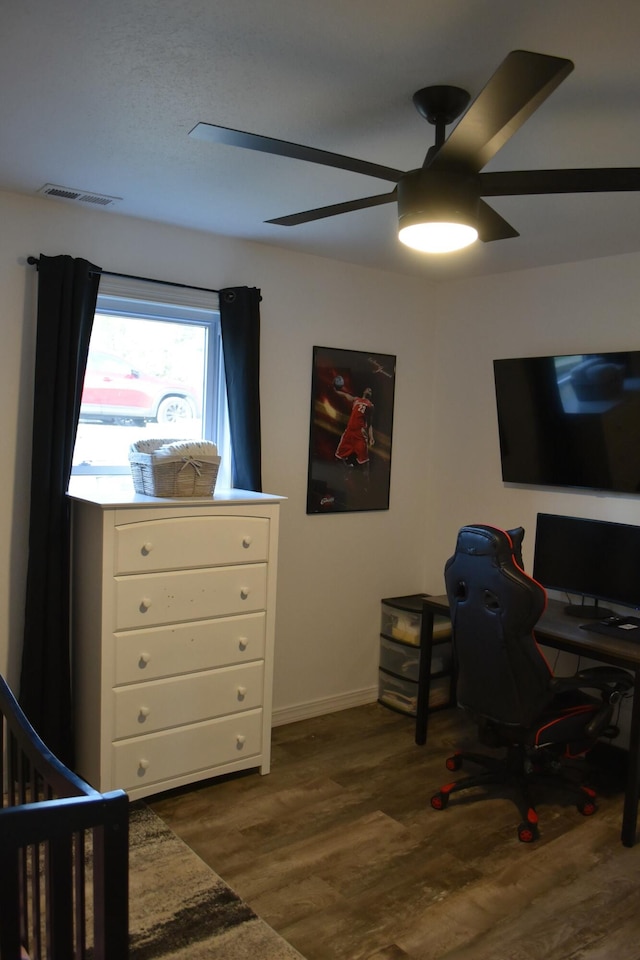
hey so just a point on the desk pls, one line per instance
(555, 629)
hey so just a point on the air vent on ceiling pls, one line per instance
(78, 196)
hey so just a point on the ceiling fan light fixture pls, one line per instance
(438, 236)
(437, 212)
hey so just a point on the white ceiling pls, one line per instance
(101, 96)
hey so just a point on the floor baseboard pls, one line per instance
(317, 708)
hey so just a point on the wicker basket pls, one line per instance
(181, 474)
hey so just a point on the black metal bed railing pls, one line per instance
(64, 873)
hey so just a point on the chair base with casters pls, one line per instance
(523, 771)
(504, 683)
(527, 762)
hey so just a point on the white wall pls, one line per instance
(333, 570)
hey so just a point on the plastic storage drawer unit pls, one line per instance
(400, 632)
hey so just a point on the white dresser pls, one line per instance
(173, 634)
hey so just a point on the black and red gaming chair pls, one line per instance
(505, 683)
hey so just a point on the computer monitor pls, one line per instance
(594, 559)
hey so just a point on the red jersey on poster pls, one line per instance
(354, 440)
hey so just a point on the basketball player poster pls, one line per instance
(352, 393)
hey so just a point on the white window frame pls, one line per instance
(148, 299)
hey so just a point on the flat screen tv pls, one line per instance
(590, 558)
(570, 421)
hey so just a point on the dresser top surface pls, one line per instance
(117, 491)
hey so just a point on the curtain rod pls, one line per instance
(34, 261)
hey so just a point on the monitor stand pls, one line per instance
(588, 613)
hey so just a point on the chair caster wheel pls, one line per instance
(528, 832)
(439, 800)
(454, 762)
(587, 807)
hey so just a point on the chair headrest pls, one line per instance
(482, 540)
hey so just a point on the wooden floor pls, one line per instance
(340, 851)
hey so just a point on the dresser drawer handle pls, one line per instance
(144, 660)
(146, 548)
(143, 713)
(143, 766)
(145, 603)
(246, 542)
(242, 692)
(240, 741)
(243, 643)
(244, 592)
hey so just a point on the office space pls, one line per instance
(444, 335)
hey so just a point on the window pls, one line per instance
(155, 369)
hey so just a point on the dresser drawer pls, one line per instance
(181, 542)
(140, 762)
(154, 598)
(187, 647)
(147, 707)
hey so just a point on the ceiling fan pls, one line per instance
(449, 187)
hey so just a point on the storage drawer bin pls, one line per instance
(441, 658)
(399, 658)
(403, 623)
(402, 695)
(404, 659)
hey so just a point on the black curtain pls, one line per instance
(240, 323)
(67, 294)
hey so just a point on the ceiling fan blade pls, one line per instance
(526, 182)
(282, 148)
(335, 208)
(491, 226)
(519, 86)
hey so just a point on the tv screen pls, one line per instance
(570, 421)
(591, 558)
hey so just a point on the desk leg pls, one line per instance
(424, 675)
(632, 793)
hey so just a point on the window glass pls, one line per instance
(154, 371)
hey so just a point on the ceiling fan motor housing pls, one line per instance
(426, 195)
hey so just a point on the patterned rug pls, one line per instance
(179, 908)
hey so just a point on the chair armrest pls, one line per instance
(612, 682)
(606, 679)
(621, 679)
